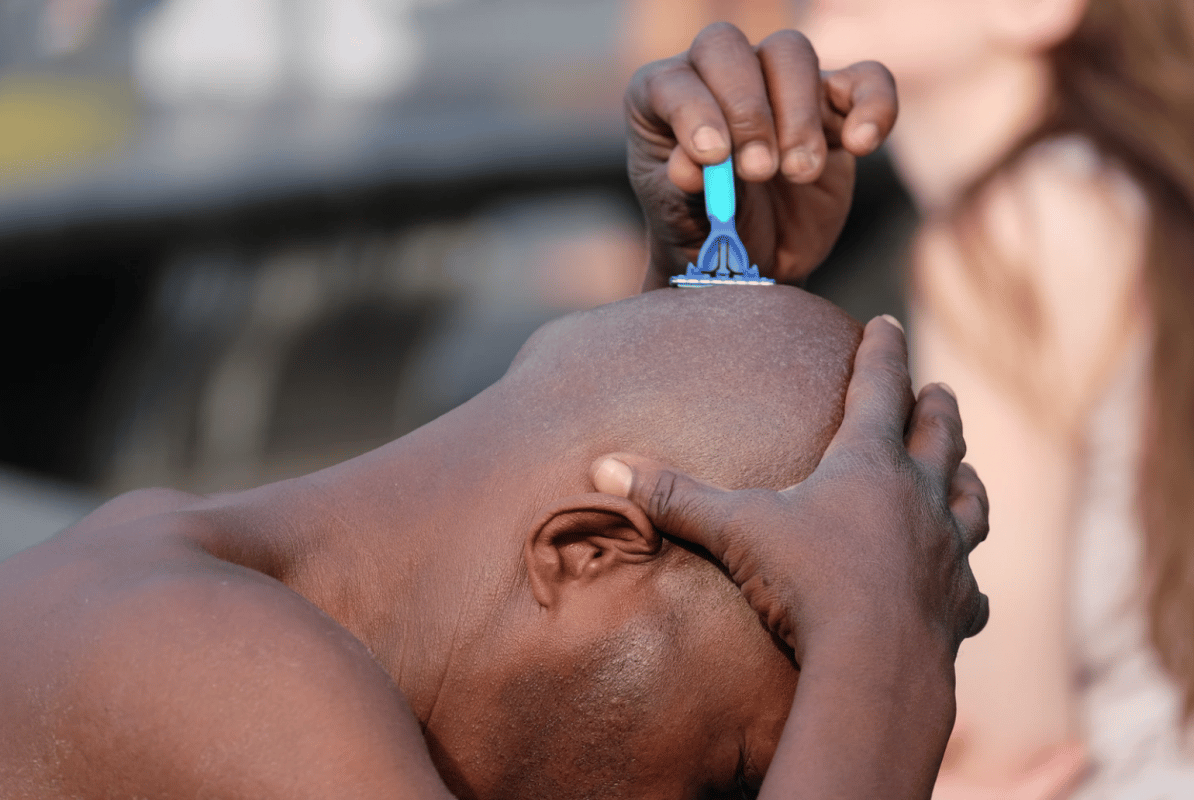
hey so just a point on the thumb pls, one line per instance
(879, 396)
(676, 503)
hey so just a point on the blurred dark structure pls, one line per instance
(232, 294)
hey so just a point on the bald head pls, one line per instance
(740, 386)
(638, 670)
(622, 664)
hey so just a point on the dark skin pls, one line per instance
(793, 130)
(361, 632)
(470, 612)
(881, 646)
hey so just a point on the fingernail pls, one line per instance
(867, 135)
(892, 320)
(756, 159)
(948, 389)
(707, 138)
(800, 161)
(613, 477)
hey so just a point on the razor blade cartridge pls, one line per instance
(722, 260)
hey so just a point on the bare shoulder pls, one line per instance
(135, 505)
(140, 664)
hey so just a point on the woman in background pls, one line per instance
(1049, 145)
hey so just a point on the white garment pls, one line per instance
(1130, 707)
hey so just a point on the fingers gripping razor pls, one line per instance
(722, 260)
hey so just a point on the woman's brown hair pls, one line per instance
(1124, 80)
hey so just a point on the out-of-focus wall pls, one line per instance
(243, 239)
(657, 29)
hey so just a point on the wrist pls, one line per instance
(907, 667)
(871, 718)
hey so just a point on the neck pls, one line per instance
(385, 545)
(953, 129)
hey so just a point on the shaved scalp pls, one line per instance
(743, 387)
(740, 386)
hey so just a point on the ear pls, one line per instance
(583, 538)
(1034, 26)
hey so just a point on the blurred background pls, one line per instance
(244, 239)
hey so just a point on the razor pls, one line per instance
(722, 260)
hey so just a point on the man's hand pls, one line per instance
(875, 541)
(862, 568)
(794, 132)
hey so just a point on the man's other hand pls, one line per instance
(875, 543)
(794, 132)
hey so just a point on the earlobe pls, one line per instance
(582, 538)
(1035, 25)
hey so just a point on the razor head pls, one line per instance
(722, 261)
(685, 282)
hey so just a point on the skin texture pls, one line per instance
(460, 611)
(482, 610)
(793, 130)
(876, 651)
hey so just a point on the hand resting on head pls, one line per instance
(861, 568)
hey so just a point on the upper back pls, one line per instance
(136, 664)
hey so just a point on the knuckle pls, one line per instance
(657, 78)
(947, 396)
(981, 615)
(981, 527)
(719, 34)
(981, 531)
(660, 503)
(876, 70)
(944, 424)
(943, 545)
(967, 483)
(642, 78)
(934, 421)
(966, 472)
(748, 113)
(789, 39)
(983, 502)
(717, 41)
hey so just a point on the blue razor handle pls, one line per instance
(723, 258)
(719, 191)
